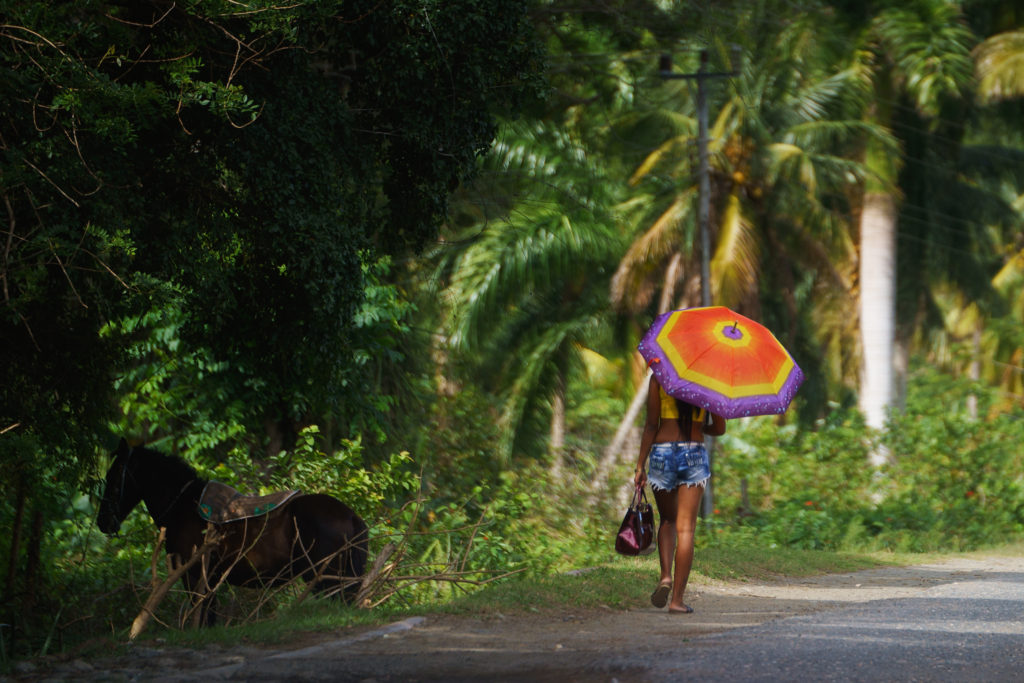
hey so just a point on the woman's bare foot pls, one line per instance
(685, 609)
(659, 598)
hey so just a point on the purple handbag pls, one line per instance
(637, 529)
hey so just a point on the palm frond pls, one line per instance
(538, 249)
(1000, 66)
(632, 285)
(931, 45)
(667, 153)
(734, 267)
(545, 345)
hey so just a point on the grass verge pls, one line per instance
(618, 583)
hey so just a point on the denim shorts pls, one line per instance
(672, 464)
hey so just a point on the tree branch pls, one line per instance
(160, 591)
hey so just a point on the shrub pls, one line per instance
(954, 482)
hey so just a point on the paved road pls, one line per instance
(971, 629)
(956, 620)
(959, 620)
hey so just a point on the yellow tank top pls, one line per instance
(670, 409)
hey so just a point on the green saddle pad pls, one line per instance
(220, 503)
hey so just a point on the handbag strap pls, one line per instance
(639, 497)
(643, 495)
(639, 501)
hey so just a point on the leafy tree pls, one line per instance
(1000, 65)
(246, 156)
(956, 219)
(980, 305)
(528, 257)
(236, 164)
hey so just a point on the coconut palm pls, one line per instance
(972, 262)
(919, 58)
(782, 147)
(958, 225)
(999, 61)
(541, 237)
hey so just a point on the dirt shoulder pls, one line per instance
(549, 644)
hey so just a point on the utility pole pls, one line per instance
(703, 192)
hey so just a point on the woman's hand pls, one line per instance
(639, 477)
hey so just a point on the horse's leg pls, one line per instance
(189, 544)
(314, 556)
(202, 598)
(338, 574)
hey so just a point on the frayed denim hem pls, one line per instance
(672, 464)
(702, 483)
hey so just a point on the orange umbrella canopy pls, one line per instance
(717, 359)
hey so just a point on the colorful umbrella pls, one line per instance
(717, 359)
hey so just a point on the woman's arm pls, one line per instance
(717, 426)
(651, 423)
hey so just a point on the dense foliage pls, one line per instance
(211, 182)
(956, 481)
(240, 163)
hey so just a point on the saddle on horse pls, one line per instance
(219, 503)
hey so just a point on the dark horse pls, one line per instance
(310, 536)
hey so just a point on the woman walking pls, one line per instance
(673, 443)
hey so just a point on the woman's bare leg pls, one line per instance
(688, 503)
(667, 509)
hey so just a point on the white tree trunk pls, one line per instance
(557, 441)
(877, 309)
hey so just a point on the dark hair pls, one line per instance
(686, 422)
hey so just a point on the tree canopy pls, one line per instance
(241, 162)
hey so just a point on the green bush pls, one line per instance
(954, 479)
(792, 487)
(953, 482)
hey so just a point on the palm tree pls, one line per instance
(999, 349)
(527, 290)
(782, 148)
(987, 319)
(984, 347)
(919, 56)
(553, 235)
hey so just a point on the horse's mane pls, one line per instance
(173, 467)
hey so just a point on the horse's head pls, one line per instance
(120, 493)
